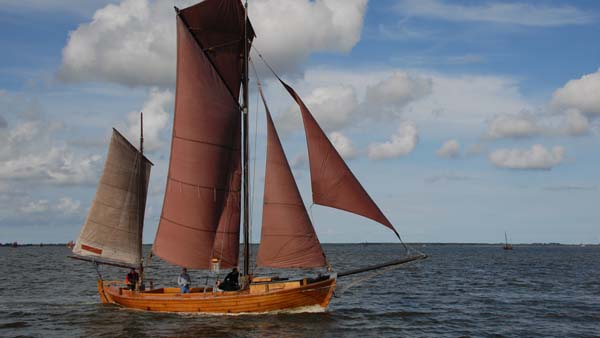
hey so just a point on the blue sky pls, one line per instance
(463, 119)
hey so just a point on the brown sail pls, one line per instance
(205, 152)
(112, 229)
(288, 239)
(333, 184)
(218, 26)
(226, 246)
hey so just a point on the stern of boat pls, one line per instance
(332, 285)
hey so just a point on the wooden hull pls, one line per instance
(259, 298)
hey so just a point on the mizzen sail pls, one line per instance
(333, 184)
(201, 208)
(288, 239)
(112, 229)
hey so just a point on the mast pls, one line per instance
(246, 175)
(141, 204)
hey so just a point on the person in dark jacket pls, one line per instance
(132, 279)
(231, 281)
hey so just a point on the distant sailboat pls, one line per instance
(208, 183)
(507, 246)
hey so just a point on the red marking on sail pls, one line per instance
(91, 249)
(333, 184)
(201, 186)
(288, 239)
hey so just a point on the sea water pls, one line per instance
(460, 291)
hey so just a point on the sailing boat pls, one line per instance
(507, 246)
(208, 184)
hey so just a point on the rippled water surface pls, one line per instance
(474, 291)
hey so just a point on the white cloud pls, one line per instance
(402, 142)
(537, 157)
(55, 166)
(582, 94)
(576, 123)
(35, 207)
(68, 206)
(29, 153)
(450, 149)
(288, 31)
(459, 102)
(24, 132)
(566, 123)
(467, 100)
(343, 145)
(133, 43)
(504, 13)
(156, 118)
(513, 125)
(333, 107)
(399, 89)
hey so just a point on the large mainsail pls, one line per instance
(112, 229)
(288, 239)
(201, 208)
(333, 184)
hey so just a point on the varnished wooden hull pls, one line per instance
(259, 298)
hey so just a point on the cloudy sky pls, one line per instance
(463, 119)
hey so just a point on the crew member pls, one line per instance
(132, 279)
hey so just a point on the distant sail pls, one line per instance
(333, 184)
(288, 239)
(112, 229)
(200, 216)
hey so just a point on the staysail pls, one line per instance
(112, 229)
(201, 208)
(333, 184)
(288, 239)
